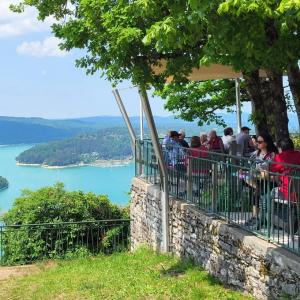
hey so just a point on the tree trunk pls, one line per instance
(268, 104)
(294, 81)
(253, 85)
(277, 106)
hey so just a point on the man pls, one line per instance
(215, 143)
(244, 142)
(172, 149)
(228, 138)
(182, 140)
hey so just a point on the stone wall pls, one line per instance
(235, 256)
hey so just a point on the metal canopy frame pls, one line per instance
(145, 106)
(162, 167)
(126, 118)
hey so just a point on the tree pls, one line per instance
(123, 39)
(250, 35)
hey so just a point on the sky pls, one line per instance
(37, 79)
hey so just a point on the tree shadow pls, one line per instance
(185, 265)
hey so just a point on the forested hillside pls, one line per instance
(13, 132)
(87, 148)
(19, 130)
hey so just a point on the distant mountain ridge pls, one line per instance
(18, 130)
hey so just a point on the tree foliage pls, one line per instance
(48, 238)
(55, 204)
(201, 100)
(123, 39)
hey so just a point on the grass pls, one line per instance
(139, 275)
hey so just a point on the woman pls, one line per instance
(264, 154)
(197, 148)
(203, 139)
(199, 166)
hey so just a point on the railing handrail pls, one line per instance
(229, 156)
(64, 223)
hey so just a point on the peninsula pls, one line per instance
(105, 147)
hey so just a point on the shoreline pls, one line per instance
(97, 163)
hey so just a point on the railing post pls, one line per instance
(1, 245)
(141, 158)
(214, 178)
(189, 180)
(269, 205)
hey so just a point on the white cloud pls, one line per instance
(14, 24)
(47, 47)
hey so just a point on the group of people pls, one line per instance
(261, 149)
(266, 156)
(242, 144)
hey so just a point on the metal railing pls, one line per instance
(231, 187)
(21, 244)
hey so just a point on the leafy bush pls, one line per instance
(49, 207)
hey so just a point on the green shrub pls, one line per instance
(50, 206)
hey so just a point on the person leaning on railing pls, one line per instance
(258, 186)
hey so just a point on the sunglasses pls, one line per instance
(260, 142)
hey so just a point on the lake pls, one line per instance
(112, 181)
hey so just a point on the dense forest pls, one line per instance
(86, 148)
(3, 183)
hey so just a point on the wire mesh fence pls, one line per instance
(258, 199)
(21, 244)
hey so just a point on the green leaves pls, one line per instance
(200, 100)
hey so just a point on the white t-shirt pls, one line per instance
(227, 140)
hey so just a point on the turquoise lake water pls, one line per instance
(112, 181)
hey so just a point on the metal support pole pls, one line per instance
(126, 118)
(163, 169)
(238, 104)
(141, 121)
